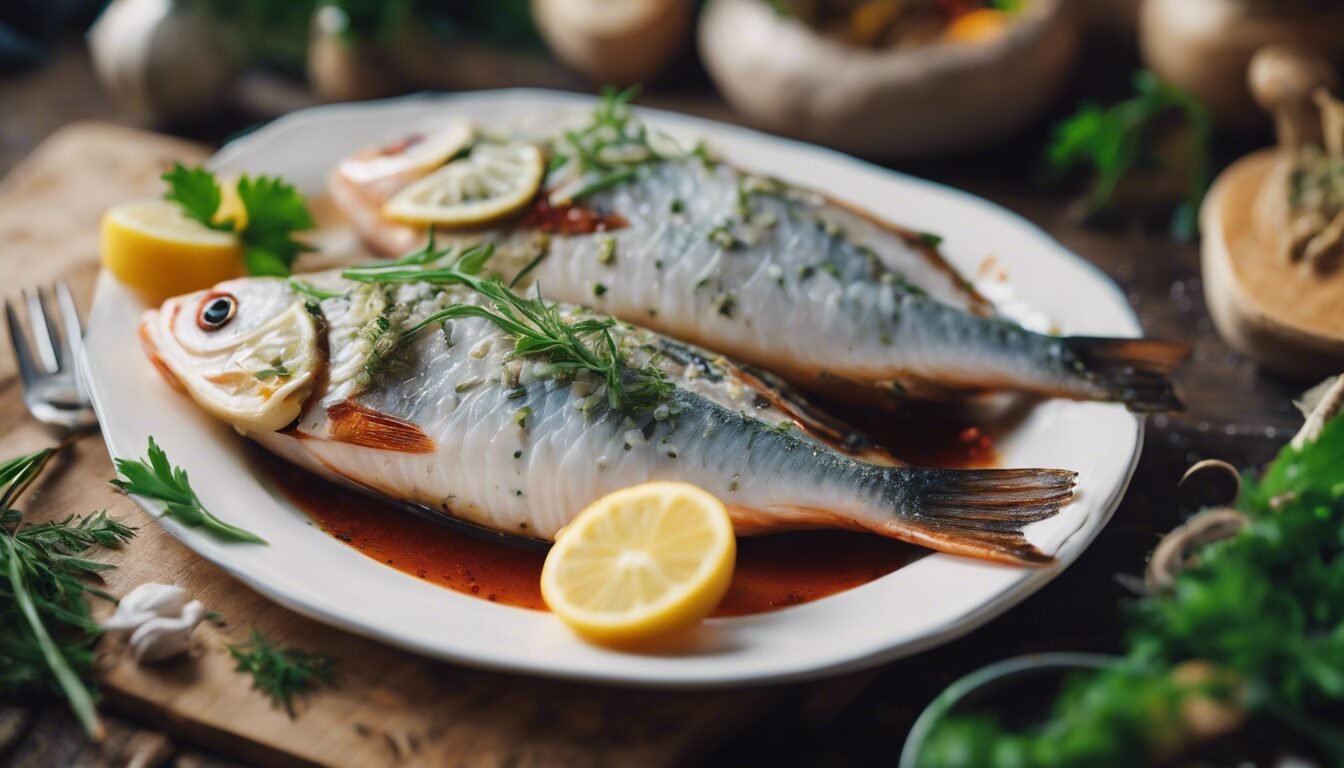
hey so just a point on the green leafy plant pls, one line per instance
(1265, 609)
(1116, 142)
(46, 629)
(274, 212)
(155, 478)
(283, 673)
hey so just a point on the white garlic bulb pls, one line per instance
(160, 60)
(159, 618)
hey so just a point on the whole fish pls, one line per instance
(769, 273)
(421, 392)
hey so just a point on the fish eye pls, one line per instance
(217, 309)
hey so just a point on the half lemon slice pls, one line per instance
(412, 156)
(641, 563)
(152, 247)
(493, 181)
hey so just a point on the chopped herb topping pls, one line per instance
(606, 250)
(930, 239)
(276, 371)
(599, 289)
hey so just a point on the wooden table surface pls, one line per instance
(1234, 413)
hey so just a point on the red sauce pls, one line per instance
(772, 571)
(569, 219)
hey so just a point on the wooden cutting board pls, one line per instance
(391, 708)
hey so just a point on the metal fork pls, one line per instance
(51, 387)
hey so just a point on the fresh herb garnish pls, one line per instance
(274, 209)
(1263, 611)
(1116, 141)
(155, 478)
(283, 673)
(276, 371)
(930, 239)
(46, 629)
(607, 152)
(537, 326)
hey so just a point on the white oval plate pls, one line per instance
(929, 602)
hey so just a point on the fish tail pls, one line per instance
(981, 512)
(1136, 372)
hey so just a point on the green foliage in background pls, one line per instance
(1266, 608)
(1133, 136)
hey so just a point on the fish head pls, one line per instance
(246, 350)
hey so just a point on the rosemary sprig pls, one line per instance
(283, 673)
(155, 478)
(46, 630)
(537, 327)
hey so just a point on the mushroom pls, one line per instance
(614, 41)
(787, 77)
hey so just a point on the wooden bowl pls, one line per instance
(1278, 314)
(948, 96)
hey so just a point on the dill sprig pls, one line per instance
(46, 629)
(283, 673)
(155, 478)
(537, 326)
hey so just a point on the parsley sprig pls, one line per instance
(155, 478)
(275, 211)
(46, 629)
(537, 326)
(283, 673)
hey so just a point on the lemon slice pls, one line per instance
(152, 247)
(641, 563)
(494, 181)
(414, 155)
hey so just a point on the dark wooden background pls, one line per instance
(1234, 413)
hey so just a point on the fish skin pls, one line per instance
(792, 282)
(463, 427)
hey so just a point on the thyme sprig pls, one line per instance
(282, 673)
(46, 630)
(537, 326)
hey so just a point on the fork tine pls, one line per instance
(44, 332)
(70, 323)
(27, 371)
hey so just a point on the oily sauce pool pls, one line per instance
(772, 571)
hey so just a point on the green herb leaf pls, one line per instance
(155, 478)
(275, 211)
(197, 192)
(283, 673)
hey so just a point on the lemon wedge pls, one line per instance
(152, 247)
(493, 181)
(410, 157)
(641, 563)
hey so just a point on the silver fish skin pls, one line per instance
(450, 418)
(792, 282)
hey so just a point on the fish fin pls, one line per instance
(353, 423)
(981, 512)
(1136, 372)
